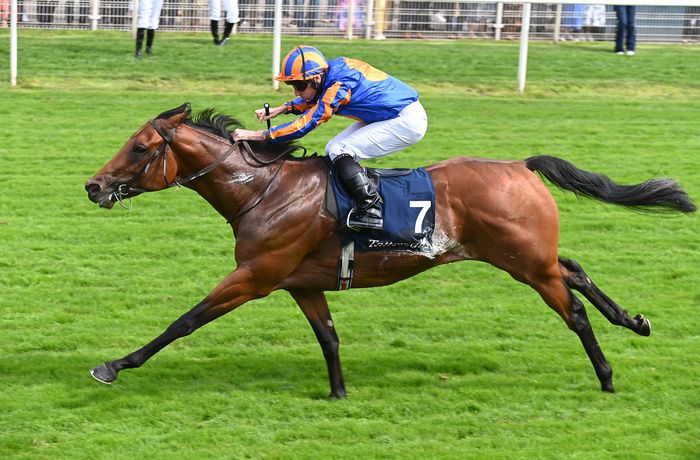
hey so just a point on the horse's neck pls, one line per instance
(231, 185)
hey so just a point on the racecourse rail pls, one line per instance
(667, 21)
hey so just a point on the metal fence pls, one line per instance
(379, 19)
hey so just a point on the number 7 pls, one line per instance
(425, 205)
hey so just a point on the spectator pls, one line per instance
(331, 11)
(4, 16)
(29, 11)
(343, 19)
(232, 18)
(485, 14)
(512, 14)
(305, 16)
(594, 23)
(691, 31)
(379, 19)
(147, 23)
(572, 22)
(626, 36)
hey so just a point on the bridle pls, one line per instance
(124, 189)
(168, 138)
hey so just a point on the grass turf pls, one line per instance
(458, 362)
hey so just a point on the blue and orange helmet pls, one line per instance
(302, 63)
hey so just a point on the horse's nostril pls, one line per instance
(93, 188)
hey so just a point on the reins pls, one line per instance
(167, 139)
(283, 156)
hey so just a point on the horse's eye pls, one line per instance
(140, 149)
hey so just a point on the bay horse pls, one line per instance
(499, 212)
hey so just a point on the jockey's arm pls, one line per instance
(248, 135)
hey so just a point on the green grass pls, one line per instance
(458, 362)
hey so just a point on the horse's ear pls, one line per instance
(177, 114)
(181, 113)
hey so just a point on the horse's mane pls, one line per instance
(220, 124)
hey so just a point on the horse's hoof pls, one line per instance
(337, 395)
(645, 327)
(103, 374)
(608, 387)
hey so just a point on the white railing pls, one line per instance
(388, 19)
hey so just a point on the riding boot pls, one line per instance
(228, 27)
(150, 34)
(215, 31)
(139, 41)
(367, 212)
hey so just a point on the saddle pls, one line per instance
(409, 210)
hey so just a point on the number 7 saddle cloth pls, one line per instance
(408, 210)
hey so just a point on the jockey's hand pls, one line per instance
(247, 135)
(274, 111)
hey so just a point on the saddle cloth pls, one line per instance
(409, 210)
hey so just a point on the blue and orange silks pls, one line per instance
(351, 88)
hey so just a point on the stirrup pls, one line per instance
(369, 222)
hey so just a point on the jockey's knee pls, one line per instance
(335, 149)
(413, 136)
(417, 131)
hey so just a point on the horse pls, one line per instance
(499, 212)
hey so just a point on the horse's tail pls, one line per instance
(655, 195)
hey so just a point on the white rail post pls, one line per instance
(369, 19)
(135, 19)
(557, 22)
(94, 13)
(276, 43)
(524, 37)
(351, 19)
(498, 25)
(13, 43)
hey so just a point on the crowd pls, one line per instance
(389, 18)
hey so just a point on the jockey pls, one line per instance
(388, 113)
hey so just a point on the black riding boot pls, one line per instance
(150, 34)
(139, 41)
(228, 27)
(367, 212)
(215, 31)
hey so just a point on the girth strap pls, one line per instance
(346, 266)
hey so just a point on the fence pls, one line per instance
(388, 19)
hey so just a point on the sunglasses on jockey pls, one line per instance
(299, 85)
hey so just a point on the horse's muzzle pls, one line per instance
(96, 194)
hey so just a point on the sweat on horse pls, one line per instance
(498, 212)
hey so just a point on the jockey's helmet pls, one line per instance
(302, 63)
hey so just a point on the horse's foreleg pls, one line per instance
(560, 298)
(577, 279)
(315, 307)
(235, 290)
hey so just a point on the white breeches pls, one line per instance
(362, 141)
(231, 7)
(149, 14)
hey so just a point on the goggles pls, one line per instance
(298, 85)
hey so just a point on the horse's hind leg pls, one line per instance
(559, 297)
(576, 278)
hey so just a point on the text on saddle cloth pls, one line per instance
(409, 210)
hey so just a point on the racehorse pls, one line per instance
(498, 212)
